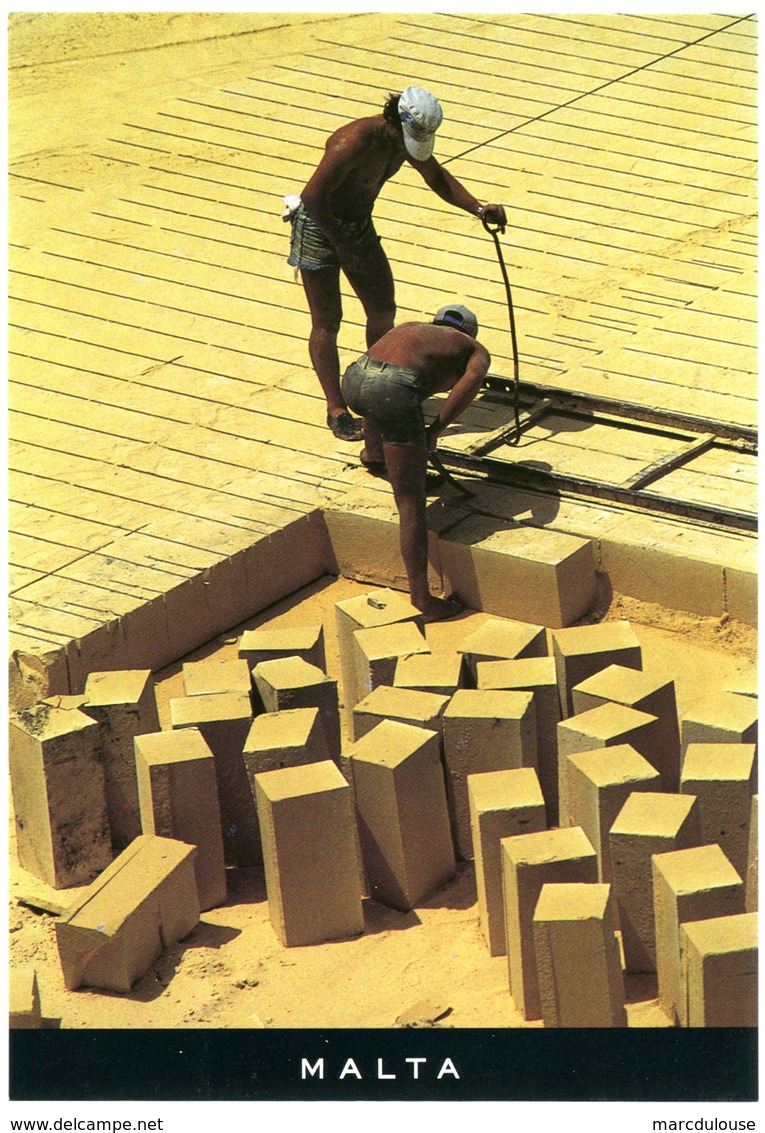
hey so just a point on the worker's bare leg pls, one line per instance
(375, 289)
(407, 468)
(322, 289)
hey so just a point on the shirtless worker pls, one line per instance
(387, 386)
(332, 228)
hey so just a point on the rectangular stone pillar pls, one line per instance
(502, 804)
(718, 962)
(309, 851)
(377, 608)
(143, 903)
(441, 673)
(723, 777)
(124, 705)
(483, 731)
(500, 639)
(535, 675)
(267, 644)
(530, 861)
(600, 782)
(619, 684)
(752, 864)
(59, 797)
(203, 677)
(293, 683)
(688, 885)
(649, 823)
(178, 794)
(611, 725)
(721, 718)
(403, 821)
(409, 706)
(23, 1000)
(580, 651)
(377, 651)
(578, 965)
(224, 720)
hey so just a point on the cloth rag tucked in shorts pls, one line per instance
(390, 395)
(310, 249)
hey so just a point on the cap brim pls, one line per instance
(419, 148)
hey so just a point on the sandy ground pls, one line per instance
(423, 968)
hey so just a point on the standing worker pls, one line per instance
(332, 228)
(387, 386)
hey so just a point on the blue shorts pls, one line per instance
(310, 249)
(390, 395)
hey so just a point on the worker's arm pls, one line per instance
(449, 189)
(462, 392)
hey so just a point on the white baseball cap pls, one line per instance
(420, 115)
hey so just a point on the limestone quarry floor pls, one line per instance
(429, 966)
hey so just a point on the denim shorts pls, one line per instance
(310, 249)
(390, 395)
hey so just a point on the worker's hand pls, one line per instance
(431, 435)
(495, 214)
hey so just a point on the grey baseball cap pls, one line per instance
(459, 317)
(421, 115)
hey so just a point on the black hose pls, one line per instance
(493, 232)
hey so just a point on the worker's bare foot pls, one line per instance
(439, 609)
(376, 467)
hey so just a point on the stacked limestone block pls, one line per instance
(501, 639)
(720, 718)
(377, 651)
(305, 642)
(224, 720)
(577, 954)
(178, 795)
(203, 677)
(718, 962)
(123, 703)
(409, 706)
(723, 777)
(403, 819)
(581, 651)
(144, 902)
(291, 682)
(439, 673)
(366, 611)
(59, 795)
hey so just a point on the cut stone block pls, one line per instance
(718, 960)
(743, 684)
(377, 608)
(530, 861)
(178, 794)
(723, 718)
(441, 673)
(124, 705)
(578, 966)
(649, 823)
(529, 574)
(723, 777)
(292, 683)
(224, 720)
(309, 852)
(59, 797)
(502, 804)
(581, 651)
(203, 677)
(752, 864)
(633, 688)
(378, 650)
(500, 639)
(306, 642)
(422, 709)
(688, 885)
(403, 821)
(143, 903)
(23, 1000)
(600, 782)
(483, 731)
(535, 675)
(284, 739)
(610, 725)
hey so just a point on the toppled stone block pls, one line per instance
(59, 796)
(718, 960)
(178, 794)
(284, 739)
(580, 651)
(124, 705)
(23, 1000)
(440, 673)
(309, 853)
(377, 651)
(577, 953)
(203, 677)
(403, 821)
(500, 639)
(292, 683)
(142, 904)
(483, 731)
(502, 804)
(722, 718)
(306, 642)
(723, 777)
(408, 706)
(365, 611)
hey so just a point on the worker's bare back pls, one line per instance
(439, 355)
(358, 159)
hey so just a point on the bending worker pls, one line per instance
(332, 228)
(387, 386)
